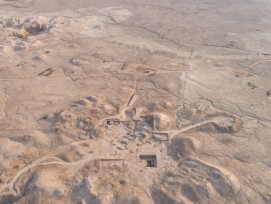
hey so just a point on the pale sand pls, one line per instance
(135, 101)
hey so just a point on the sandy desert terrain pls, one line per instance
(135, 101)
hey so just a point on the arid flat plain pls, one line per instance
(135, 101)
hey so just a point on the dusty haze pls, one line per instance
(135, 101)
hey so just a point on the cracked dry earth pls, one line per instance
(140, 102)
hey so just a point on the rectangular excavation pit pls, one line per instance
(112, 121)
(149, 161)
